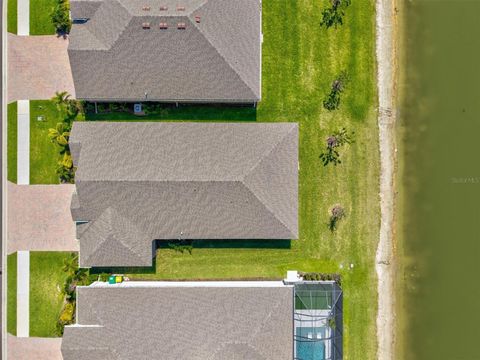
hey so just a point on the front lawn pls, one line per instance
(300, 62)
(12, 142)
(12, 16)
(12, 293)
(46, 282)
(40, 17)
(43, 154)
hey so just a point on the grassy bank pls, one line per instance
(300, 62)
(40, 17)
(12, 294)
(12, 142)
(12, 16)
(46, 281)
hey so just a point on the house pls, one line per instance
(206, 51)
(137, 182)
(254, 320)
(154, 320)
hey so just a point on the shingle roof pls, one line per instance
(215, 323)
(141, 181)
(214, 60)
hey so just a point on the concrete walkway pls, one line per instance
(23, 17)
(39, 218)
(33, 348)
(23, 294)
(23, 142)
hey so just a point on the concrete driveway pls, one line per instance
(33, 348)
(37, 67)
(38, 218)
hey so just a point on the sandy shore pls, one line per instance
(385, 261)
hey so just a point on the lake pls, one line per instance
(439, 181)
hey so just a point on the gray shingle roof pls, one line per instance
(141, 181)
(207, 323)
(215, 60)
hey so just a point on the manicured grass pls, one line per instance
(40, 17)
(12, 16)
(46, 281)
(12, 142)
(12, 294)
(300, 62)
(43, 154)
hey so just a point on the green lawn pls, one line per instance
(12, 294)
(43, 154)
(300, 62)
(12, 142)
(46, 280)
(12, 16)
(40, 17)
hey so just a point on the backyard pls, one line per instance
(300, 62)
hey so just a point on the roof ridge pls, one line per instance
(262, 158)
(119, 34)
(221, 55)
(267, 208)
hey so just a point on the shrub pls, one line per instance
(315, 276)
(61, 17)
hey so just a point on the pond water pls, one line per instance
(439, 181)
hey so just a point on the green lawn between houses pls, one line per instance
(40, 17)
(12, 293)
(46, 281)
(12, 142)
(300, 61)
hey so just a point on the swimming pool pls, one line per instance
(309, 345)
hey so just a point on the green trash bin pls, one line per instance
(111, 279)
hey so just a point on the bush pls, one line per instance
(67, 317)
(314, 276)
(61, 17)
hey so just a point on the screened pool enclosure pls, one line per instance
(318, 321)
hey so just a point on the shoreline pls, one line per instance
(385, 261)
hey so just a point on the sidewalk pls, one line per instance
(23, 294)
(23, 17)
(23, 142)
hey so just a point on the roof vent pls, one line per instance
(181, 26)
(146, 8)
(180, 8)
(163, 8)
(197, 19)
(163, 26)
(146, 25)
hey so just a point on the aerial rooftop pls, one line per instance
(199, 322)
(164, 50)
(141, 181)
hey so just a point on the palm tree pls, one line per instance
(70, 264)
(61, 100)
(59, 135)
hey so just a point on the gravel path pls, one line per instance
(385, 48)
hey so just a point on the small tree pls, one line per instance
(59, 136)
(337, 214)
(333, 15)
(334, 141)
(332, 100)
(61, 17)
